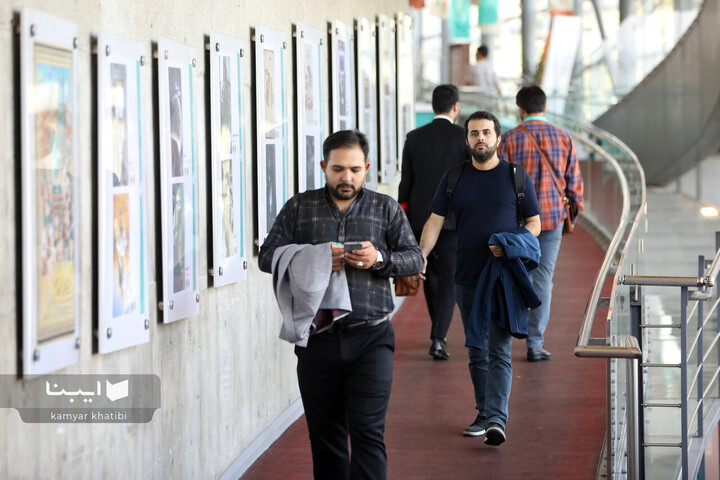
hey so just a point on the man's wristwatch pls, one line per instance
(379, 262)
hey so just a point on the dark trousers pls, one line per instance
(345, 382)
(439, 286)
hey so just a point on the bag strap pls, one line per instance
(518, 178)
(547, 163)
(453, 177)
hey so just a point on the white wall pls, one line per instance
(225, 376)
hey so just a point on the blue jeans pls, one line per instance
(491, 366)
(541, 277)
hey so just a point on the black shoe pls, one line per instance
(476, 428)
(437, 350)
(495, 434)
(537, 354)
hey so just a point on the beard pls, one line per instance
(482, 156)
(335, 191)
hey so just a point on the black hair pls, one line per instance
(481, 115)
(346, 139)
(531, 99)
(444, 97)
(482, 50)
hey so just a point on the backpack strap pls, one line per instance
(453, 176)
(518, 179)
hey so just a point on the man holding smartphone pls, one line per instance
(345, 372)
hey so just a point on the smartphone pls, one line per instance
(350, 246)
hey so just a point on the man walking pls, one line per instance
(558, 146)
(345, 372)
(482, 74)
(428, 153)
(485, 203)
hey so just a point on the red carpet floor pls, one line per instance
(556, 424)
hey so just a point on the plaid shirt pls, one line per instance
(515, 146)
(312, 217)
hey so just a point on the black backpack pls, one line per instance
(518, 179)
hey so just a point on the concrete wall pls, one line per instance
(226, 378)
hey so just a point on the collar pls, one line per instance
(445, 117)
(535, 117)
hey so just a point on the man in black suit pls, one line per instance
(430, 151)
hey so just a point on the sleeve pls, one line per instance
(573, 178)
(440, 202)
(404, 257)
(280, 234)
(406, 179)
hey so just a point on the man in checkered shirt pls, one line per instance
(560, 149)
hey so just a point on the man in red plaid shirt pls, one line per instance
(517, 147)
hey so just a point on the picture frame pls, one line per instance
(367, 107)
(123, 291)
(387, 97)
(50, 188)
(405, 80)
(310, 118)
(342, 76)
(179, 194)
(227, 151)
(271, 126)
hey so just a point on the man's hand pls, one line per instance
(496, 250)
(422, 272)
(338, 257)
(363, 258)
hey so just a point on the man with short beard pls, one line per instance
(345, 371)
(484, 202)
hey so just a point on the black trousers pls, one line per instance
(345, 382)
(439, 286)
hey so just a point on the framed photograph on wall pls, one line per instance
(310, 121)
(50, 193)
(387, 96)
(271, 126)
(367, 108)
(342, 77)
(123, 292)
(227, 149)
(405, 80)
(179, 193)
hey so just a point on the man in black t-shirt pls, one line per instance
(484, 203)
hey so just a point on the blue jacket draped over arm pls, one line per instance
(504, 291)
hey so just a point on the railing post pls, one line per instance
(633, 445)
(683, 382)
(700, 354)
(639, 398)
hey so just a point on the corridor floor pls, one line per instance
(556, 424)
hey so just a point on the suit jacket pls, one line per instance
(428, 153)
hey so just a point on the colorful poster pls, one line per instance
(270, 184)
(55, 221)
(269, 76)
(123, 283)
(118, 112)
(176, 120)
(228, 222)
(178, 218)
(310, 165)
(309, 83)
(225, 106)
